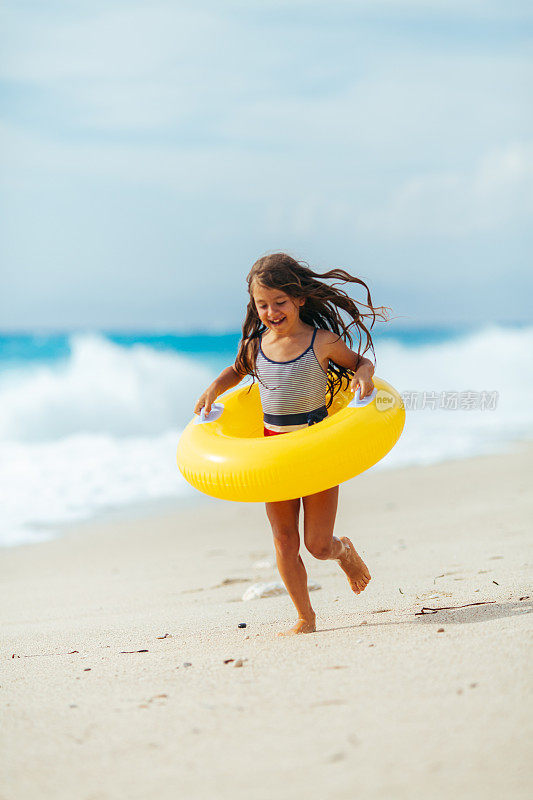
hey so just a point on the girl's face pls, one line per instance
(276, 310)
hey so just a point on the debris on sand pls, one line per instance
(426, 610)
(263, 564)
(271, 589)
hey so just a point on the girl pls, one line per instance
(292, 336)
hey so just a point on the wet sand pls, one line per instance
(115, 637)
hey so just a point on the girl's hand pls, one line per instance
(363, 379)
(206, 401)
(228, 378)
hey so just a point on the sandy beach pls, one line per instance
(115, 637)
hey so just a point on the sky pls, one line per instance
(151, 152)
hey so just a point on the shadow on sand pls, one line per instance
(451, 616)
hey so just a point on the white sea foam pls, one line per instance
(101, 388)
(94, 432)
(46, 483)
(99, 429)
(495, 359)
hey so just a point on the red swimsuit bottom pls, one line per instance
(272, 433)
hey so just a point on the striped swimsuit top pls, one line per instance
(293, 393)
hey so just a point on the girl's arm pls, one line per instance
(227, 379)
(338, 351)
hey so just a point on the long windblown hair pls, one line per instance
(321, 309)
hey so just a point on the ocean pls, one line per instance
(89, 421)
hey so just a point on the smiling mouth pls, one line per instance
(277, 321)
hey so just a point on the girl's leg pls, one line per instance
(320, 510)
(283, 517)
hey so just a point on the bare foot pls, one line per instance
(302, 626)
(354, 566)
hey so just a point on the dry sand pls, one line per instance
(378, 703)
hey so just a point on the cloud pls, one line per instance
(496, 193)
(115, 43)
(492, 195)
(238, 72)
(131, 134)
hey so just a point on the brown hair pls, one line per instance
(321, 309)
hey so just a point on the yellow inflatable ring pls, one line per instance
(230, 457)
